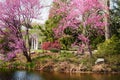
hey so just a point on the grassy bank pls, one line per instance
(64, 61)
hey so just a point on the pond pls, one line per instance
(29, 75)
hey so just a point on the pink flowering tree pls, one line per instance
(13, 15)
(83, 17)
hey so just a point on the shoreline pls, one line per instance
(65, 63)
(86, 72)
(60, 70)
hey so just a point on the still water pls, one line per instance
(26, 75)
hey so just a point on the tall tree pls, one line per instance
(86, 17)
(115, 18)
(14, 15)
(106, 18)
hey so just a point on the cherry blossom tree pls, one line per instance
(13, 15)
(84, 17)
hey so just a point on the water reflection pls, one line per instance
(26, 75)
(23, 75)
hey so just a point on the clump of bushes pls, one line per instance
(51, 45)
(66, 42)
(110, 46)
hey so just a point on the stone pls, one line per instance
(99, 60)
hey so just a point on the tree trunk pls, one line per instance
(107, 27)
(24, 48)
(89, 50)
(107, 32)
(28, 57)
(29, 46)
(26, 53)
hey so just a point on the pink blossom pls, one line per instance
(14, 14)
(86, 15)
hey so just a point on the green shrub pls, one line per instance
(96, 40)
(113, 59)
(110, 46)
(66, 42)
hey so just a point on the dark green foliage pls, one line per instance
(110, 47)
(47, 33)
(115, 18)
(52, 22)
(47, 30)
(68, 31)
(69, 38)
(66, 42)
(96, 40)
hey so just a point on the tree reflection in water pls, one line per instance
(23, 75)
(33, 75)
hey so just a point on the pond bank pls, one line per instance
(63, 67)
(65, 62)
